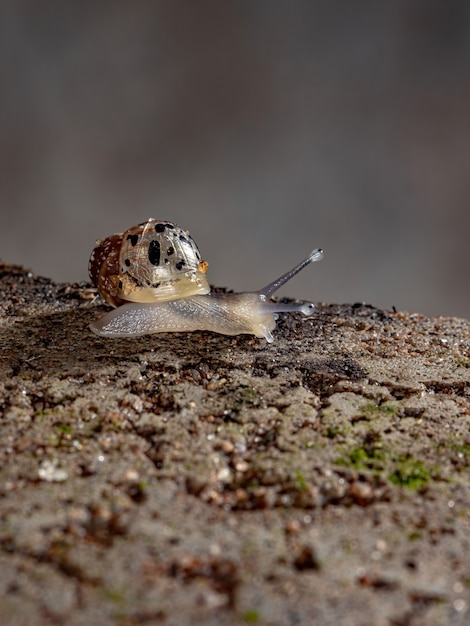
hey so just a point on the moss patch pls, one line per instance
(400, 470)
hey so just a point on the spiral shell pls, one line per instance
(155, 261)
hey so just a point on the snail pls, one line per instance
(154, 275)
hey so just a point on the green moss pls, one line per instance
(461, 449)
(333, 431)
(300, 481)
(364, 458)
(115, 595)
(410, 473)
(311, 444)
(349, 547)
(251, 616)
(63, 429)
(371, 410)
(414, 535)
(249, 393)
(401, 470)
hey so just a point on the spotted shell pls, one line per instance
(155, 261)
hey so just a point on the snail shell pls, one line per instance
(155, 261)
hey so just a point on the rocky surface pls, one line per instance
(201, 479)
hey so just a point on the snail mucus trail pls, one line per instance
(154, 275)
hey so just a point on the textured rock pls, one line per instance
(203, 479)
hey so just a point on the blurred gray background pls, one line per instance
(264, 127)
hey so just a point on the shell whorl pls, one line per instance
(155, 261)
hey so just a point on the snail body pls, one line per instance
(125, 280)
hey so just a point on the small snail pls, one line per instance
(155, 276)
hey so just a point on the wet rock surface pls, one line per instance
(203, 479)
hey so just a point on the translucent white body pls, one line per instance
(227, 313)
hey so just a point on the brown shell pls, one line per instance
(155, 261)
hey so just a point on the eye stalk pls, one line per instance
(315, 255)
